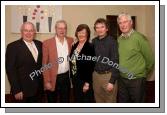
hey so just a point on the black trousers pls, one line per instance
(32, 99)
(79, 95)
(62, 90)
(131, 91)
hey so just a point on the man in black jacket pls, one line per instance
(23, 63)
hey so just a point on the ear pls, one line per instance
(131, 22)
(107, 29)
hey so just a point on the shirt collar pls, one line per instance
(27, 43)
(103, 37)
(127, 35)
(58, 39)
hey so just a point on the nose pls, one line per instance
(122, 25)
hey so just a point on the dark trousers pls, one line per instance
(79, 95)
(62, 90)
(131, 91)
(33, 99)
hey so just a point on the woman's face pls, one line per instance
(82, 35)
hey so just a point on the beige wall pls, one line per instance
(75, 15)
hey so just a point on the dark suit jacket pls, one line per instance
(84, 67)
(20, 64)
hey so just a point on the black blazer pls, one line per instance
(84, 67)
(20, 64)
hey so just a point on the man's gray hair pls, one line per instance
(124, 14)
(22, 26)
(61, 21)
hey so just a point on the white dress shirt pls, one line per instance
(33, 49)
(62, 52)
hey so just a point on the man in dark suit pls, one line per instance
(23, 62)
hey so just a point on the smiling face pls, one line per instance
(28, 32)
(101, 30)
(125, 24)
(61, 30)
(82, 35)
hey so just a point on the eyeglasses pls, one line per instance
(61, 28)
(28, 31)
(124, 22)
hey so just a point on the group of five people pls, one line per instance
(93, 80)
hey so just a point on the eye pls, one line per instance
(28, 30)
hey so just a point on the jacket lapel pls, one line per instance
(69, 42)
(26, 50)
(54, 47)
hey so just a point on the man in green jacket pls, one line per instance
(137, 59)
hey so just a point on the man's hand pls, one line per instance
(48, 86)
(110, 87)
(19, 96)
(86, 87)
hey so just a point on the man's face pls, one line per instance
(28, 32)
(61, 30)
(101, 29)
(125, 25)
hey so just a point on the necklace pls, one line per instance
(79, 47)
